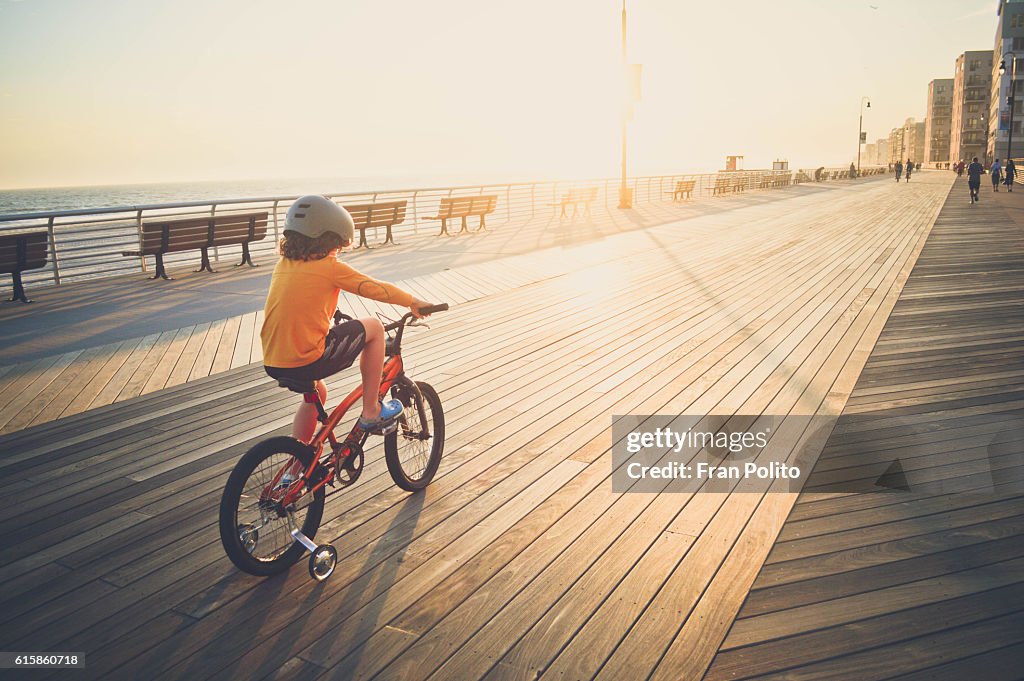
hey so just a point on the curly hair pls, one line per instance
(295, 246)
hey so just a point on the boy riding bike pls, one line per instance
(298, 342)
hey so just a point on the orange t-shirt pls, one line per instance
(301, 302)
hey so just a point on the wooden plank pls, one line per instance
(123, 375)
(889, 629)
(41, 378)
(100, 379)
(243, 343)
(155, 356)
(208, 350)
(160, 374)
(226, 345)
(183, 366)
(61, 391)
(256, 353)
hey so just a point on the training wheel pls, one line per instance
(322, 562)
(249, 536)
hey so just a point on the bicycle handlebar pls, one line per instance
(428, 309)
(431, 309)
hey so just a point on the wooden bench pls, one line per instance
(382, 214)
(463, 207)
(684, 190)
(20, 252)
(176, 235)
(575, 197)
(722, 185)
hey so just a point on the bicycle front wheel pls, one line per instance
(414, 450)
(255, 528)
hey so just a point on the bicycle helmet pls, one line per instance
(313, 215)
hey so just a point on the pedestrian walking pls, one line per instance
(853, 172)
(910, 168)
(899, 170)
(960, 168)
(974, 173)
(997, 174)
(1010, 172)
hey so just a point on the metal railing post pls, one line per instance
(138, 226)
(213, 212)
(415, 214)
(277, 236)
(376, 230)
(53, 249)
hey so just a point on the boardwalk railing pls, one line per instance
(88, 243)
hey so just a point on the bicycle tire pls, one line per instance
(414, 397)
(230, 534)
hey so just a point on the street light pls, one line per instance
(860, 129)
(625, 200)
(1012, 98)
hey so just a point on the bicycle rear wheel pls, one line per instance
(413, 451)
(254, 528)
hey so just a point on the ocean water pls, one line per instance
(13, 201)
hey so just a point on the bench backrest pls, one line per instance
(722, 182)
(685, 185)
(193, 233)
(462, 206)
(381, 214)
(235, 229)
(23, 251)
(581, 194)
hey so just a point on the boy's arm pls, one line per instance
(351, 280)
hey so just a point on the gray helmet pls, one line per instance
(313, 215)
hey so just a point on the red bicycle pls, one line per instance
(274, 498)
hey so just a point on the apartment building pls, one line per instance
(972, 90)
(937, 124)
(1009, 48)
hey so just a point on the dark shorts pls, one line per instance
(974, 184)
(341, 348)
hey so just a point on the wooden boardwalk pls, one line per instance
(923, 577)
(94, 369)
(55, 386)
(518, 561)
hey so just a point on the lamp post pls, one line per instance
(860, 129)
(1012, 98)
(984, 148)
(625, 200)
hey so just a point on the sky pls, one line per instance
(128, 91)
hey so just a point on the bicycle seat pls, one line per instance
(297, 385)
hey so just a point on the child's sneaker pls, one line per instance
(285, 482)
(389, 413)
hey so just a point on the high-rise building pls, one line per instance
(897, 147)
(936, 133)
(911, 141)
(870, 153)
(882, 151)
(972, 88)
(1009, 41)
